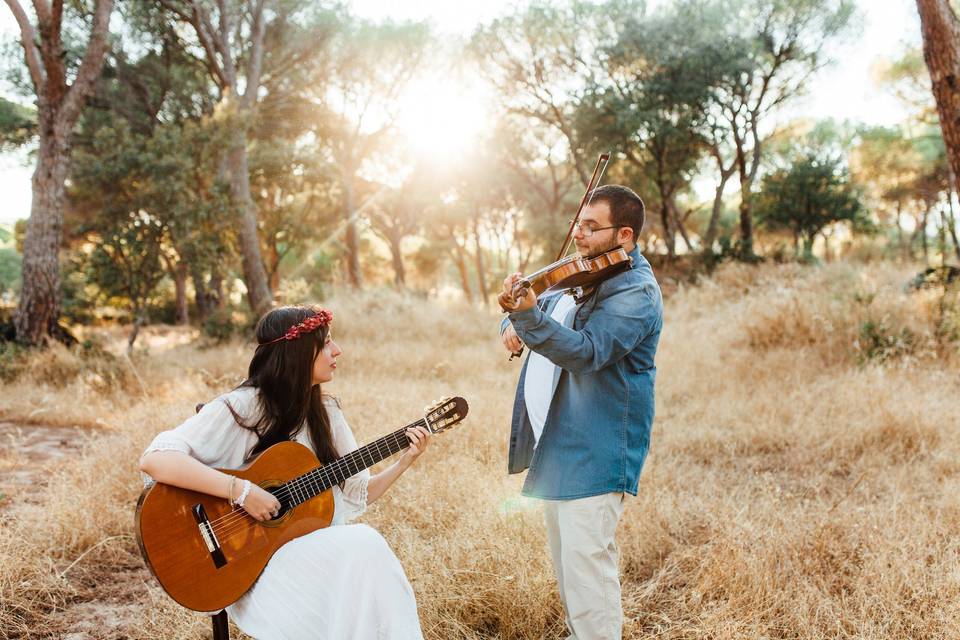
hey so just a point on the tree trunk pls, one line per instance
(396, 255)
(180, 283)
(746, 215)
(39, 306)
(923, 235)
(273, 260)
(140, 319)
(941, 51)
(200, 296)
(668, 236)
(461, 262)
(254, 275)
(714, 226)
(952, 226)
(678, 223)
(353, 249)
(58, 108)
(215, 291)
(481, 269)
(942, 238)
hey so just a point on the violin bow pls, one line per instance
(604, 159)
(585, 201)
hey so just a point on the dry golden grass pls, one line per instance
(802, 483)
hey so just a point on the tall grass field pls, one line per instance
(803, 479)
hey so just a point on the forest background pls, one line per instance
(200, 162)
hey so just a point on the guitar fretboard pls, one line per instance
(313, 483)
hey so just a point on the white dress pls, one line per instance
(342, 582)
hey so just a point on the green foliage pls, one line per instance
(879, 342)
(224, 324)
(10, 262)
(126, 261)
(815, 191)
(17, 125)
(13, 360)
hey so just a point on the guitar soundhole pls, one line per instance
(281, 494)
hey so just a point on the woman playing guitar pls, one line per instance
(335, 582)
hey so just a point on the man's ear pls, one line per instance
(625, 235)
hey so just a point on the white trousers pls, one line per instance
(585, 558)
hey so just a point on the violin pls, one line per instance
(575, 272)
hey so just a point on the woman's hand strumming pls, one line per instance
(261, 504)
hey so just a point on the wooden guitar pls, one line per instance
(206, 553)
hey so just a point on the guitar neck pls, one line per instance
(315, 482)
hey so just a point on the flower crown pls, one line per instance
(321, 319)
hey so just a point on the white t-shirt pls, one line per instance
(541, 378)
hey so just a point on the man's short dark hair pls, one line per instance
(626, 207)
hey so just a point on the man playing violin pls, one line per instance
(584, 407)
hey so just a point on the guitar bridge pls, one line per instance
(208, 535)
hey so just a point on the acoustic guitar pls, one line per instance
(206, 552)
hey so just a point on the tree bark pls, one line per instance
(941, 51)
(396, 255)
(461, 262)
(39, 306)
(200, 296)
(952, 225)
(746, 215)
(924, 219)
(140, 319)
(481, 269)
(254, 274)
(714, 225)
(58, 108)
(350, 238)
(180, 283)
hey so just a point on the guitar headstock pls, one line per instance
(445, 413)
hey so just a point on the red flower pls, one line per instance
(320, 319)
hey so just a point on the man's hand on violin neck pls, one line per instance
(510, 297)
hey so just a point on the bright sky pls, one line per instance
(844, 91)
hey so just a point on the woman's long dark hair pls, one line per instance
(282, 372)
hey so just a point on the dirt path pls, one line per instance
(109, 593)
(26, 450)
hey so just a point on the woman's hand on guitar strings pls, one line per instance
(419, 440)
(261, 504)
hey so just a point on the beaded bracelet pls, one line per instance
(243, 494)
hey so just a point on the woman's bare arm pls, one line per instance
(181, 470)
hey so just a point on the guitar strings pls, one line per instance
(303, 486)
(223, 526)
(324, 474)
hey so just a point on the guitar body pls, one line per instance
(206, 553)
(170, 531)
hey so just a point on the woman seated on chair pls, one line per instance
(339, 582)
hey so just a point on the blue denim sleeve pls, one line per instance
(615, 327)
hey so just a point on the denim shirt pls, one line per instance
(597, 431)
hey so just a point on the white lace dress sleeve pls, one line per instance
(354, 488)
(213, 436)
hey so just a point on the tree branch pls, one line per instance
(255, 64)
(91, 64)
(28, 39)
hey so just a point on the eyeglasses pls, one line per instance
(589, 231)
